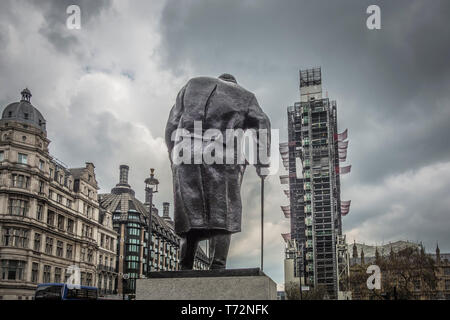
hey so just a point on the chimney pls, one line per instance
(166, 210)
(124, 174)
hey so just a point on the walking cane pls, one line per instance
(262, 222)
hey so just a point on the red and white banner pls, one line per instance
(284, 179)
(286, 236)
(284, 150)
(342, 155)
(346, 169)
(343, 145)
(345, 207)
(346, 203)
(342, 136)
(286, 211)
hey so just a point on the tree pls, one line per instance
(406, 274)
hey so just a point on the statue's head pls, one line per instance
(228, 77)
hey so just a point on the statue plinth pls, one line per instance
(232, 284)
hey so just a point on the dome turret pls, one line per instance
(24, 112)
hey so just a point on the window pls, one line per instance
(133, 248)
(47, 271)
(89, 255)
(100, 259)
(59, 198)
(8, 236)
(22, 158)
(69, 249)
(2, 155)
(20, 181)
(57, 275)
(83, 254)
(70, 225)
(59, 248)
(12, 269)
(86, 231)
(41, 165)
(447, 284)
(60, 222)
(15, 237)
(41, 186)
(37, 242)
(102, 240)
(51, 218)
(69, 203)
(50, 194)
(39, 212)
(35, 272)
(51, 173)
(134, 232)
(49, 245)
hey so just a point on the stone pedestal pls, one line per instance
(234, 284)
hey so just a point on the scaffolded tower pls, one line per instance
(312, 158)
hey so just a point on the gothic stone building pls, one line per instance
(49, 214)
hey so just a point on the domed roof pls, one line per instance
(23, 111)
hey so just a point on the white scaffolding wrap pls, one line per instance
(286, 236)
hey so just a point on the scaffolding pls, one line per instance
(316, 149)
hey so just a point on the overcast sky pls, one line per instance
(106, 91)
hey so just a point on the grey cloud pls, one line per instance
(391, 85)
(55, 16)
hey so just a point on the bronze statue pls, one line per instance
(207, 196)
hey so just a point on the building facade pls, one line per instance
(313, 153)
(50, 221)
(130, 220)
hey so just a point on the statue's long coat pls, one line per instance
(207, 197)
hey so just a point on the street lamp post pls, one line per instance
(151, 186)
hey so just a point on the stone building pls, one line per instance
(130, 220)
(49, 214)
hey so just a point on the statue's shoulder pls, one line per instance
(202, 81)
